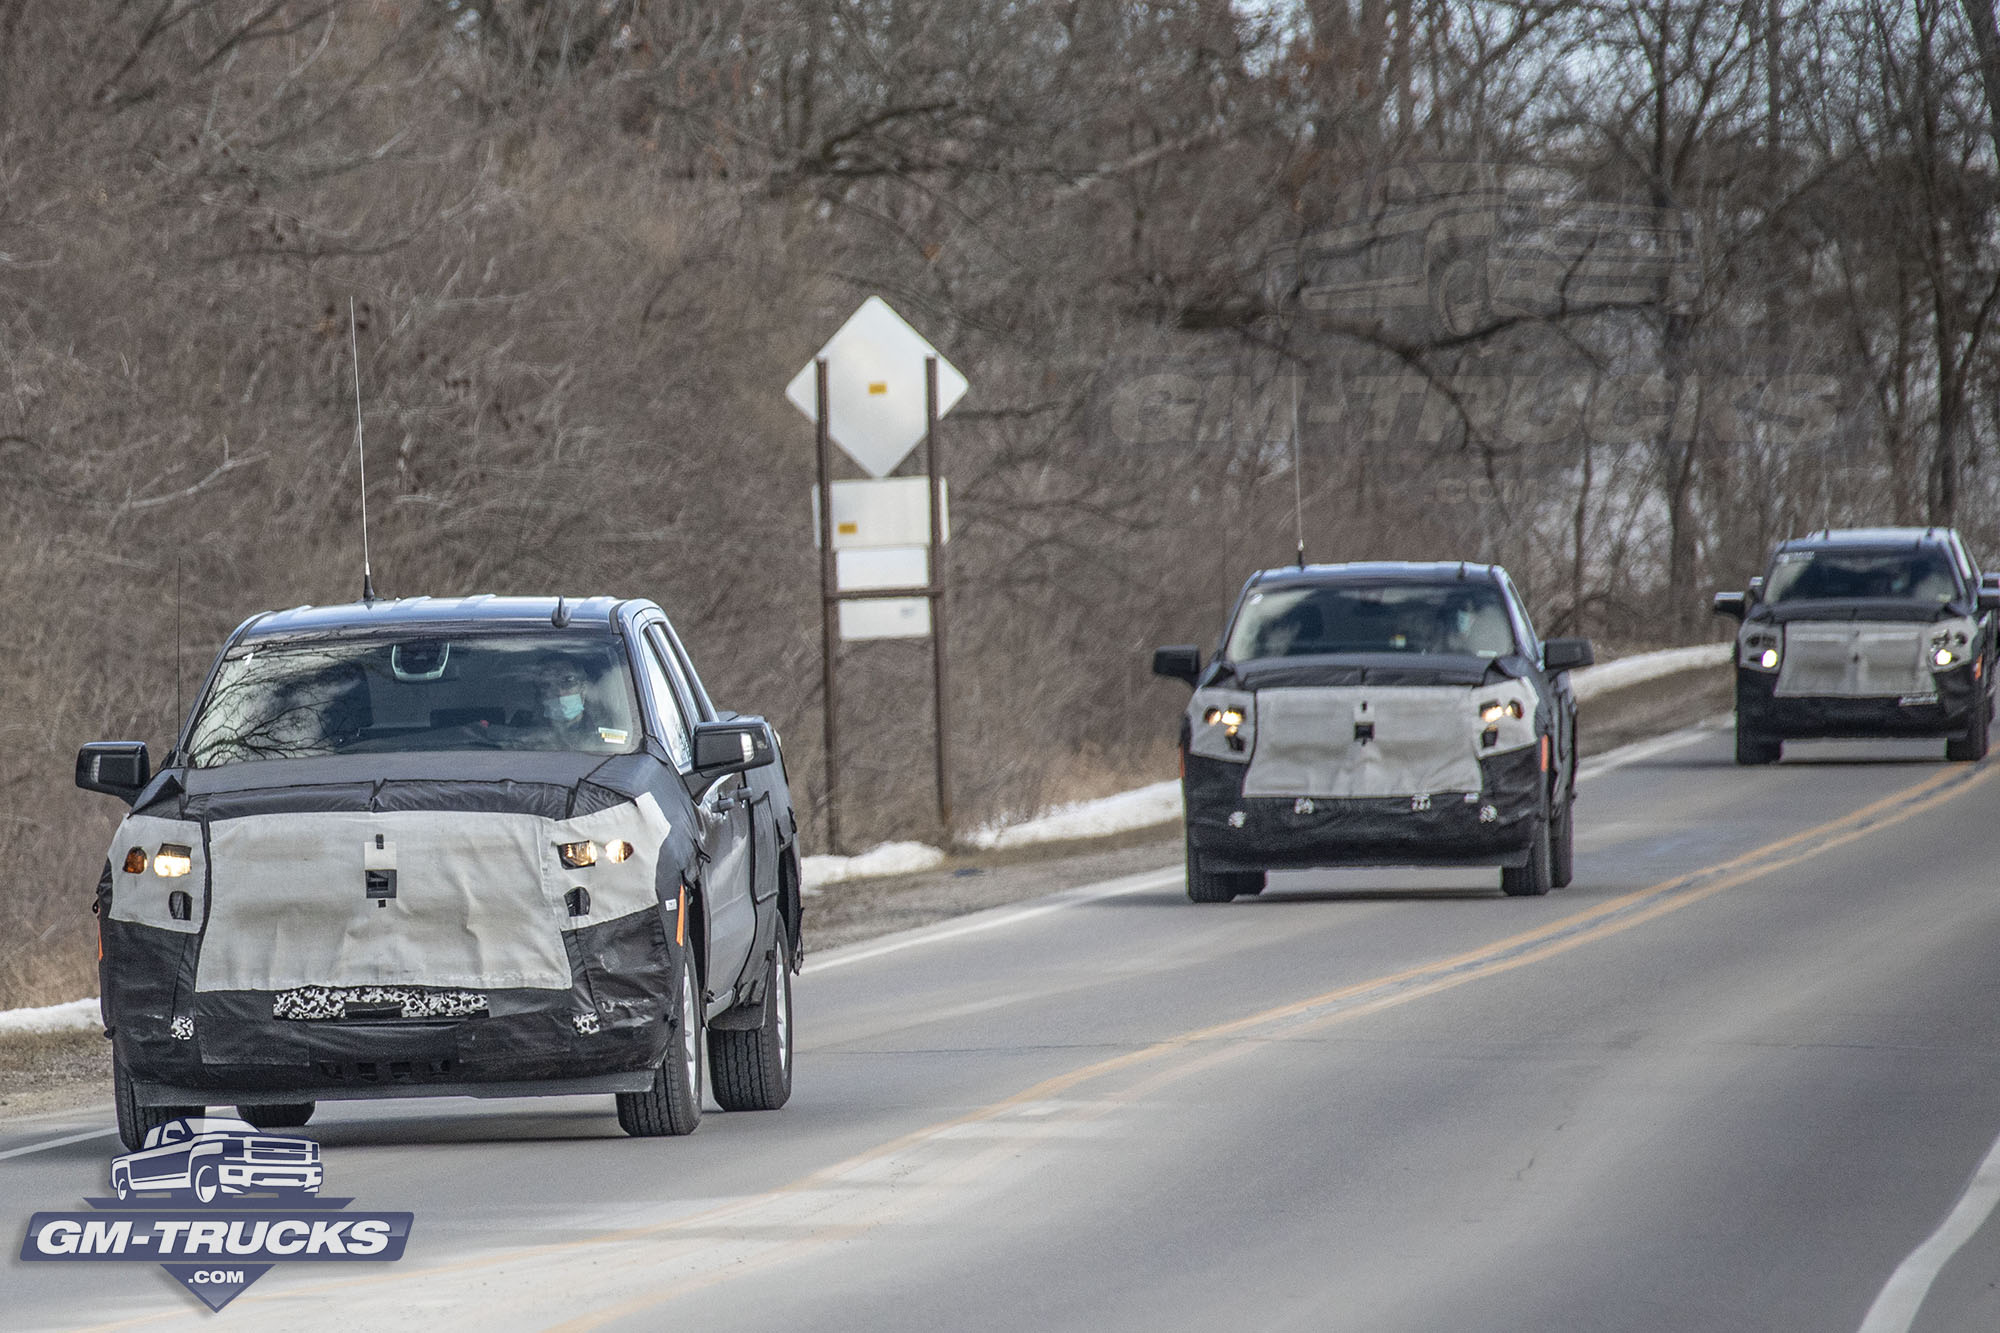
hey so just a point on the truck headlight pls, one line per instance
(1492, 711)
(1951, 644)
(173, 860)
(578, 855)
(1762, 650)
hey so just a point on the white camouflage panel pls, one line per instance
(1854, 659)
(1426, 740)
(479, 897)
(142, 898)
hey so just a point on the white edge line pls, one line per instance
(57, 1143)
(1639, 751)
(992, 919)
(1902, 1296)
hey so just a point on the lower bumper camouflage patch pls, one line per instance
(332, 1002)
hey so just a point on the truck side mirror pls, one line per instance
(1180, 662)
(1567, 654)
(722, 748)
(1732, 604)
(116, 768)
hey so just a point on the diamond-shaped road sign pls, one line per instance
(875, 387)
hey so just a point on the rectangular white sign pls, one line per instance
(886, 618)
(882, 567)
(892, 512)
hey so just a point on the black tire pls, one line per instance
(278, 1115)
(1562, 845)
(1209, 886)
(1249, 883)
(207, 1185)
(1533, 879)
(750, 1069)
(672, 1106)
(1973, 748)
(134, 1120)
(1753, 747)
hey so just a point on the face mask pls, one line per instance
(566, 707)
(1464, 621)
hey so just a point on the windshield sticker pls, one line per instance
(217, 1203)
(611, 735)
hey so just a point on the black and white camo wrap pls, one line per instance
(330, 1002)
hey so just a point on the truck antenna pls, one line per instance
(180, 708)
(361, 451)
(1298, 487)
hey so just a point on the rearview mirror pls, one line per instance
(722, 748)
(1989, 599)
(1755, 590)
(1180, 662)
(1732, 604)
(1567, 654)
(116, 768)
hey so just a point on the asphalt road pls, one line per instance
(1744, 1074)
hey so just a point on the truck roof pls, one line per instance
(428, 612)
(1378, 571)
(1867, 537)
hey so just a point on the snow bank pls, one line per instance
(76, 1016)
(890, 858)
(1158, 804)
(1641, 667)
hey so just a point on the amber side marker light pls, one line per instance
(135, 861)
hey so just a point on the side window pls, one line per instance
(666, 705)
(692, 690)
(1531, 641)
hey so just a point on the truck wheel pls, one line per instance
(278, 1115)
(121, 1182)
(1533, 879)
(1209, 886)
(206, 1184)
(673, 1104)
(134, 1120)
(751, 1069)
(1562, 845)
(1754, 747)
(1973, 748)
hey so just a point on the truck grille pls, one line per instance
(1854, 660)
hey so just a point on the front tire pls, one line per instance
(278, 1115)
(136, 1121)
(1973, 748)
(1562, 845)
(1753, 747)
(672, 1105)
(1218, 886)
(751, 1069)
(207, 1186)
(1535, 878)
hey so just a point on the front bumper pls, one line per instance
(1289, 833)
(1950, 713)
(184, 1046)
(271, 1175)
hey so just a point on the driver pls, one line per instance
(565, 705)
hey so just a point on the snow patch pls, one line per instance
(76, 1016)
(1642, 667)
(1159, 803)
(889, 858)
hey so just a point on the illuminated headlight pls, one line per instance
(617, 851)
(1951, 644)
(1493, 711)
(578, 855)
(1228, 718)
(172, 861)
(1762, 650)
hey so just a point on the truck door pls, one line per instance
(724, 819)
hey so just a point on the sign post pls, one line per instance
(865, 371)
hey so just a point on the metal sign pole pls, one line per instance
(829, 635)
(939, 724)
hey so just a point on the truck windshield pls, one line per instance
(380, 696)
(1837, 575)
(1464, 618)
